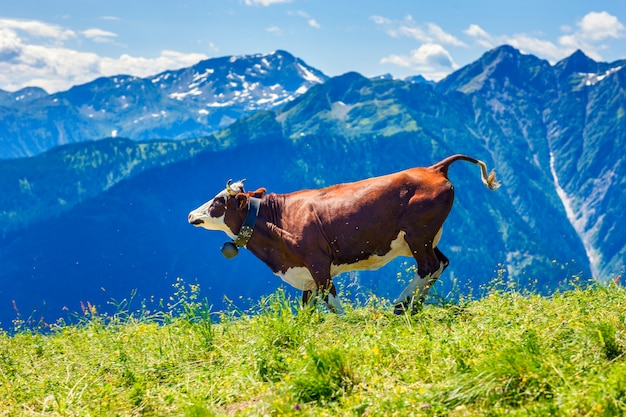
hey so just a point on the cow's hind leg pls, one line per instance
(430, 265)
(332, 299)
(309, 298)
(442, 258)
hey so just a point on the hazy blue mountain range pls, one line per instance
(97, 219)
(178, 104)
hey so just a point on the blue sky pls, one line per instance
(55, 44)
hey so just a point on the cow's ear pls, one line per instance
(258, 193)
(242, 200)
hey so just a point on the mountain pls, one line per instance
(24, 95)
(587, 137)
(554, 134)
(53, 182)
(563, 127)
(179, 104)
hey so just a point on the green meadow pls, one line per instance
(507, 353)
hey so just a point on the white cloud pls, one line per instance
(598, 26)
(38, 29)
(525, 43)
(482, 37)
(431, 60)
(440, 36)
(265, 3)
(313, 23)
(275, 30)
(428, 33)
(142, 67)
(29, 58)
(310, 21)
(542, 48)
(99, 35)
(380, 20)
(593, 30)
(587, 35)
(10, 45)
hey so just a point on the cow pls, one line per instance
(308, 237)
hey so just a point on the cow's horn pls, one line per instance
(229, 189)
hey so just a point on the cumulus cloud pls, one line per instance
(34, 28)
(481, 36)
(592, 32)
(525, 43)
(431, 60)
(33, 53)
(599, 26)
(428, 33)
(10, 45)
(589, 35)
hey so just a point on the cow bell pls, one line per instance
(230, 250)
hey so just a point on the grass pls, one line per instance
(507, 353)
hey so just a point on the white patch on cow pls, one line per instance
(208, 222)
(298, 277)
(212, 223)
(398, 247)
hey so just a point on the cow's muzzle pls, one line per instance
(194, 220)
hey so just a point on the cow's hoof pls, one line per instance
(403, 308)
(417, 308)
(399, 309)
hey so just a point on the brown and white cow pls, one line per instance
(308, 237)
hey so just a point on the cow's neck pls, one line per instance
(270, 243)
(247, 228)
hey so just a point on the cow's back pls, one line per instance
(355, 221)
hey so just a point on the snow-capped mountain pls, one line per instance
(555, 135)
(179, 104)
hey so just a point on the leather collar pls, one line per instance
(245, 233)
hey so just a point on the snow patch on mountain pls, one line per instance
(309, 75)
(181, 96)
(590, 79)
(580, 218)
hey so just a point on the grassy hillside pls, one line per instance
(505, 354)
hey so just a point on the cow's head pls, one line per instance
(225, 211)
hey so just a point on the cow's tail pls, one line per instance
(489, 179)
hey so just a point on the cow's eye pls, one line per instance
(220, 201)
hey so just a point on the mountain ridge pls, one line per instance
(176, 104)
(555, 141)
